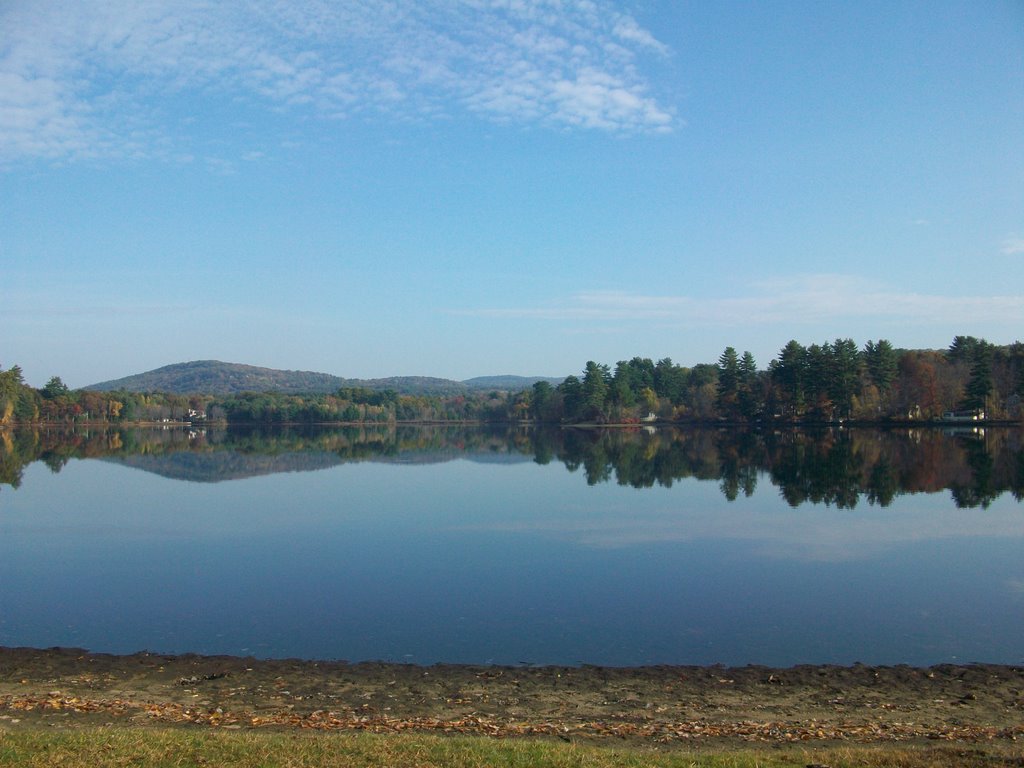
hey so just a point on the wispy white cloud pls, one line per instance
(808, 299)
(95, 311)
(1012, 246)
(92, 79)
(600, 305)
(627, 29)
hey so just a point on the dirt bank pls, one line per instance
(662, 705)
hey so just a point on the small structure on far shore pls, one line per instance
(974, 415)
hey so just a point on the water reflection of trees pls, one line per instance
(834, 467)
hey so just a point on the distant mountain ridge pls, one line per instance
(213, 377)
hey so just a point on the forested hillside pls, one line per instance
(819, 383)
(213, 377)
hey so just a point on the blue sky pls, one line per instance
(467, 187)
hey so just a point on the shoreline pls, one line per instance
(688, 706)
(759, 425)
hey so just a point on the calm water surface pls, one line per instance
(462, 548)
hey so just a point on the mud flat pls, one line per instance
(716, 707)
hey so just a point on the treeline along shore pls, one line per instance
(971, 380)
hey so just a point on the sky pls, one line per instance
(460, 188)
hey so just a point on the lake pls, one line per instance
(509, 546)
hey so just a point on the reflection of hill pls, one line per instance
(834, 467)
(217, 466)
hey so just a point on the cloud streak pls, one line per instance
(95, 79)
(810, 299)
(1012, 246)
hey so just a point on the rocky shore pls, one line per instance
(663, 705)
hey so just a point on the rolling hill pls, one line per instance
(213, 377)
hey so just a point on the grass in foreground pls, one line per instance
(178, 748)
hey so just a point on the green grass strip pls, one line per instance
(182, 748)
